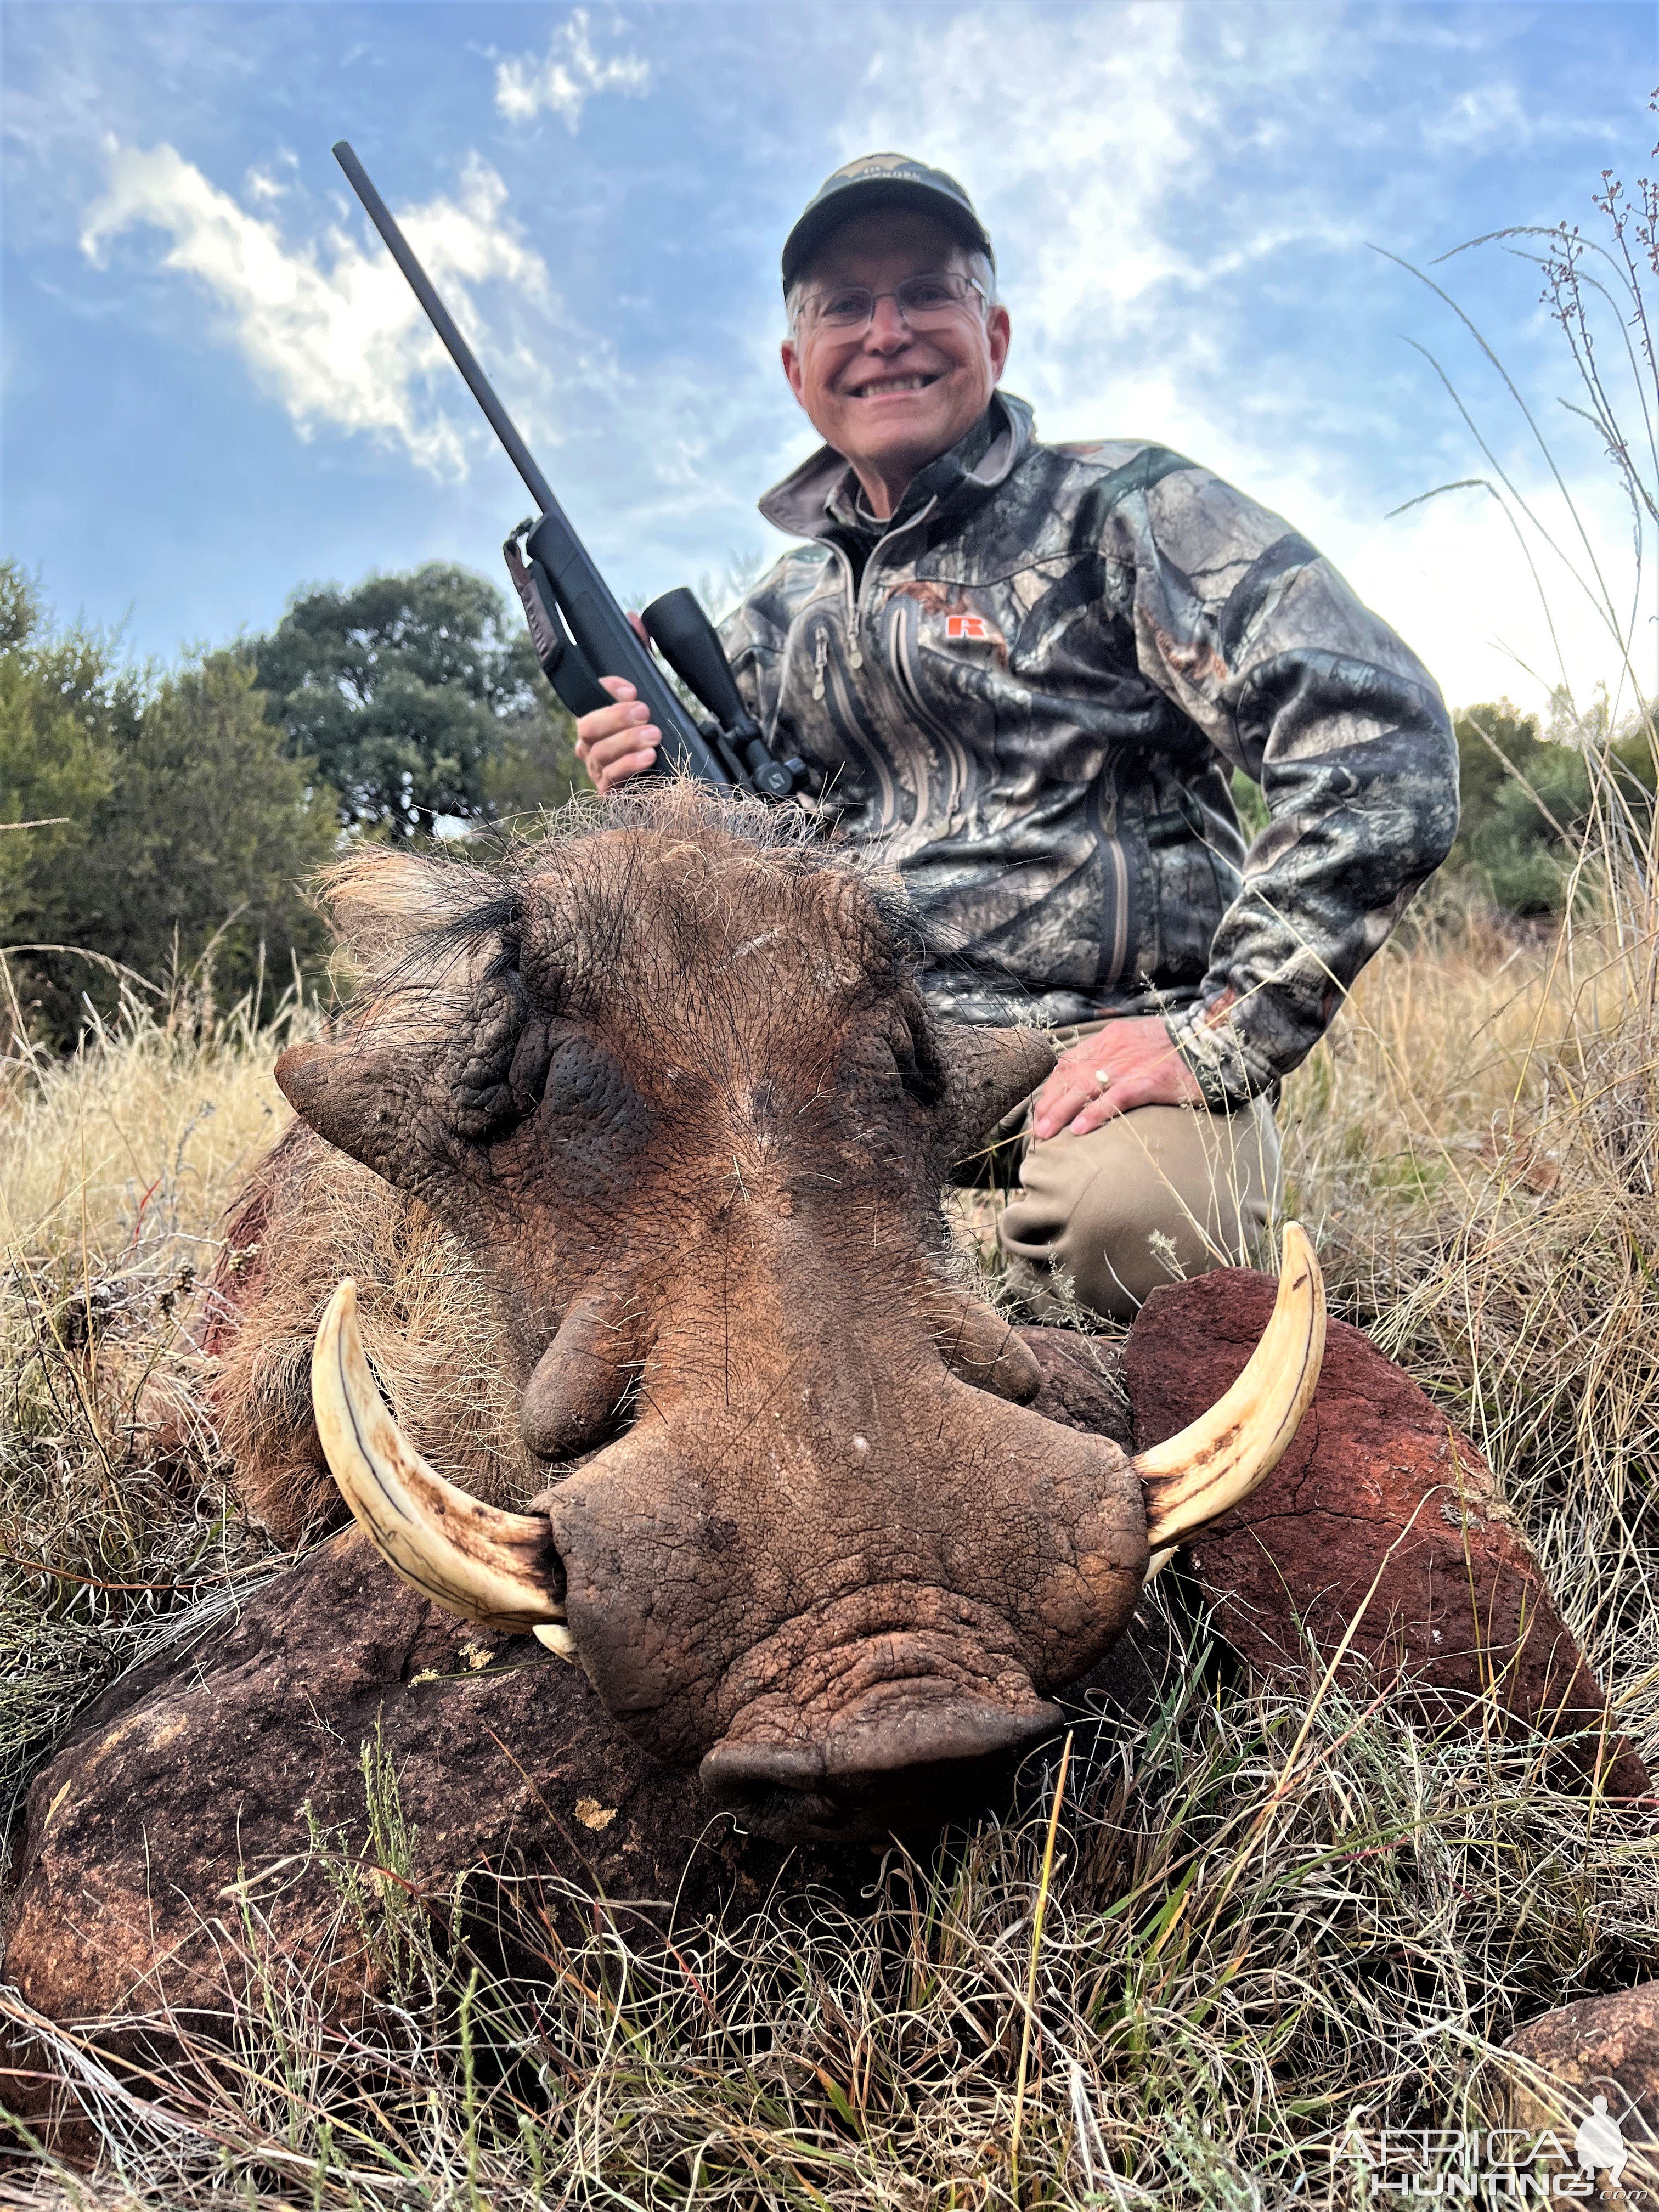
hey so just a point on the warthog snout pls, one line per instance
(905, 1757)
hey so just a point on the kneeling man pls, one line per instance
(1026, 672)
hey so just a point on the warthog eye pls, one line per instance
(501, 1072)
(919, 1065)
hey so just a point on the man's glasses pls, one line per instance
(923, 302)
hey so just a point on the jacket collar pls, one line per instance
(821, 497)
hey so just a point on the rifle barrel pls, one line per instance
(439, 316)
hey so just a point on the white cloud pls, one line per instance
(329, 326)
(1092, 139)
(565, 79)
(332, 330)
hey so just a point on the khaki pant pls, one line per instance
(1152, 1196)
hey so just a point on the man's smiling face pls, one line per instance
(889, 397)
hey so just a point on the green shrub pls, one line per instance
(1528, 799)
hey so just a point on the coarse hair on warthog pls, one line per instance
(632, 1144)
(310, 1216)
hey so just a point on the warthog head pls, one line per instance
(673, 1080)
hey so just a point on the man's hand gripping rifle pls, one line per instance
(578, 630)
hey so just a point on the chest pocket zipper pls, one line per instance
(821, 654)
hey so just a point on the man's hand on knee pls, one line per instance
(1128, 1063)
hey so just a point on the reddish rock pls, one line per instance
(204, 1771)
(1601, 2046)
(1376, 1488)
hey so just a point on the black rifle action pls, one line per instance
(579, 631)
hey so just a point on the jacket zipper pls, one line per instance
(826, 675)
(846, 715)
(908, 682)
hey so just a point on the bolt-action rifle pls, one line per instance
(579, 631)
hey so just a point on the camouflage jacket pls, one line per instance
(1029, 687)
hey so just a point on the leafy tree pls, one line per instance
(1523, 801)
(183, 823)
(417, 700)
(535, 767)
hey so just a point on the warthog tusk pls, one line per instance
(1217, 1461)
(473, 1559)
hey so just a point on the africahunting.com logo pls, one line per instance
(1589, 2164)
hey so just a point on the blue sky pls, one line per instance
(216, 386)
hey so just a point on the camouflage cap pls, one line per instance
(880, 180)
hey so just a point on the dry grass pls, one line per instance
(1270, 1917)
(116, 1168)
(147, 1134)
(1477, 1151)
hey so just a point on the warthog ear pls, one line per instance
(987, 1073)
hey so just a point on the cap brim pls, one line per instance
(854, 199)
